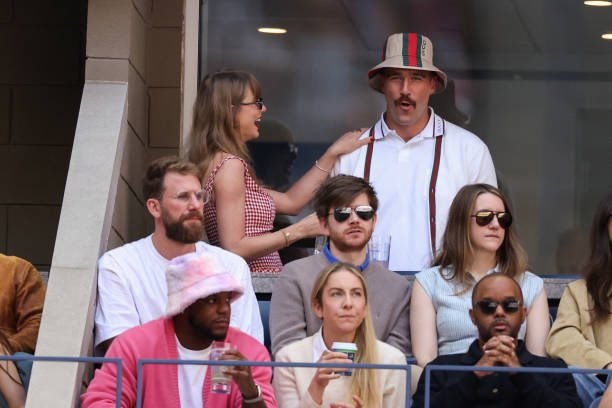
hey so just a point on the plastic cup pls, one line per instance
(350, 349)
(320, 242)
(220, 382)
(379, 247)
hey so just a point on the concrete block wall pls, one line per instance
(42, 54)
(138, 42)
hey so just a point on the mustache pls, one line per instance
(193, 214)
(405, 99)
(500, 321)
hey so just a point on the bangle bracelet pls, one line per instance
(321, 168)
(256, 399)
(286, 234)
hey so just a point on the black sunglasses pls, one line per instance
(504, 218)
(490, 306)
(365, 212)
(259, 102)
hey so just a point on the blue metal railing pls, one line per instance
(550, 370)
(404, 367)
(93, 360)
(142, 362)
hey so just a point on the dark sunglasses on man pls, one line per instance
(365, 212)
(490, 306)
(504, 218)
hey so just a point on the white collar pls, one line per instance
(318, 345)
(435, 127)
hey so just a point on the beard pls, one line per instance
(204, 331)
(344, 244)
(177, 231)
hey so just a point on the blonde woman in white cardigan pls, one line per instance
(340, 299)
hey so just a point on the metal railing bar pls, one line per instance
(550, 370)
(142, 362)
(94, 360)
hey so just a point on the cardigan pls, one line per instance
(160, 387)
(291, 383)
(574, 337)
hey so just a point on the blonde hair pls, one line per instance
(364, 383)
(214, 127)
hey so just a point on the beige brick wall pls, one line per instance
(41, 77)
(138, 42)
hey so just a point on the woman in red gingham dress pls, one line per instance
(259, 216)
(239, 215)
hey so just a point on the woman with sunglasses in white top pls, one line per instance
(239, 217)
(478, 240)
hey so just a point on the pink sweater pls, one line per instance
(160, 387)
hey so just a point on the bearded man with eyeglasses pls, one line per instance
(131, 279)
(346, 208)
(498, 312)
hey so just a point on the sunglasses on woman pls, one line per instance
(489, 307)
(365, 212)
(483, 218)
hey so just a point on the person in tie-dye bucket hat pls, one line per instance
(415, 159)
(200, 293)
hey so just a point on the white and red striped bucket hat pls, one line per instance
(406, 51)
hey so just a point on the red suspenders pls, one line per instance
(432, 194)
(432, 182)
(368, 160)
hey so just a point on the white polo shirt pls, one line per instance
(400, 172)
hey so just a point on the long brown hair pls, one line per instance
(214, 128)
(457, 250)
(363, 382)
(598, 269)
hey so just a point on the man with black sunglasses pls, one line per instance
(346, 208)
(498, 312)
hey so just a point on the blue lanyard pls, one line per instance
(333, 259)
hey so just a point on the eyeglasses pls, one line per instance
(483, 218)
(365, 212)
(259, 102)
(490, 306)
(186, 196)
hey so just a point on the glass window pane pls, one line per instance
(533, 79)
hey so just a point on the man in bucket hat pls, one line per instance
(416, 160)
(198, 312)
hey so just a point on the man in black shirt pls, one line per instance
(497, 311)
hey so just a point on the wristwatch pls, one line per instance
(253, 400)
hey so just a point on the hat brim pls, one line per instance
(376, 80)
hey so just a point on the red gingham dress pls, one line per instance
(258, 215)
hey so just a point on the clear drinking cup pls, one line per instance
(379, 247)
(220, 382)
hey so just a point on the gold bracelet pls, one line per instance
(321, 168)
(286, 234)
